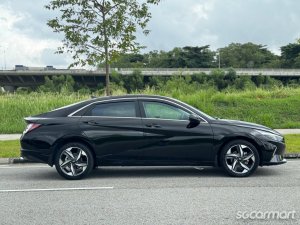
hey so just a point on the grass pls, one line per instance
(14, 107)
(293, 143)
(277, 108)
(10, 149)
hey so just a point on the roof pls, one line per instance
(66, 110)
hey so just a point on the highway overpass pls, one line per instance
(27, 78)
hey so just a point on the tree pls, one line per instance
(248, 55)
(197, 57)
(290, 55)
(98, 31)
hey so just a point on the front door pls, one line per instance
(168, 137)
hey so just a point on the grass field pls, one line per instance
(279, 108)
(9, 149)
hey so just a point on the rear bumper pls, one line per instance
(35, 156)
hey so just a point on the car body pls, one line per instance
(146, 130)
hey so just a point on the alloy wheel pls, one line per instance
(240, 159)
(73, 161)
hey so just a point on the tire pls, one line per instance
(239, 158)
(74, 161)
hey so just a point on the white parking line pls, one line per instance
(56, 189)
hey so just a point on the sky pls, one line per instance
(26, 39)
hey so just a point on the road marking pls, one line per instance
(56, 189)
(22, 167)
(293, 161)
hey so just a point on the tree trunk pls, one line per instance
(107, 89)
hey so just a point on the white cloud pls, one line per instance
(174, 23)
(202, 10)
(21, 48)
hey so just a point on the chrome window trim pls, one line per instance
(134, 99)
(110, 117)
(140, 118)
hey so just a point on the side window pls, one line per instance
(164, 111)
(113, 109)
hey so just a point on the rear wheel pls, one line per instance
(74, 161)
(239, 158)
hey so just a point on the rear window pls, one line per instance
(114, 109)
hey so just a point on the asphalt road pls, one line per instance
(36, 194)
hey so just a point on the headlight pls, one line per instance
(267, 135)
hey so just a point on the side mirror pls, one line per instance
(194, 121)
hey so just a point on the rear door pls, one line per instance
(115, 128)
(168, 138)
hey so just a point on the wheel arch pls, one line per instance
(68, 139)
(234, 138)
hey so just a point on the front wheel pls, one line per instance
(74, 161)
(239, 158)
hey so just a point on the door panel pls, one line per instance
(115, 129)
(114, 138)
(170, 140)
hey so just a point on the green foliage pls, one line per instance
(91, 27)
(235, 55)
(277, 108)
(99, 31)
(218, 79)
(244, 83)
(14, 107)
(186, 57)
(59, 84)
(290, 55)
(133, 82)
(247, 55)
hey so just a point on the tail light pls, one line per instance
(31, 127)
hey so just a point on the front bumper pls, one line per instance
(273, 153)
(276, 160)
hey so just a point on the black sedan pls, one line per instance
(146, 130)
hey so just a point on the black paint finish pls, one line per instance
(141, 141)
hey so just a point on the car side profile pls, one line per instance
(146, 130)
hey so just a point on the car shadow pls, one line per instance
(156, 172)
(147, 172)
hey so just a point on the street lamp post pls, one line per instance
(219, 59)
(4, 58)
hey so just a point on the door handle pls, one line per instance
(153, 125)
(92, 123)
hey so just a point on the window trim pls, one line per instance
(137, 100)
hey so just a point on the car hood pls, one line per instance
(245, 124)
